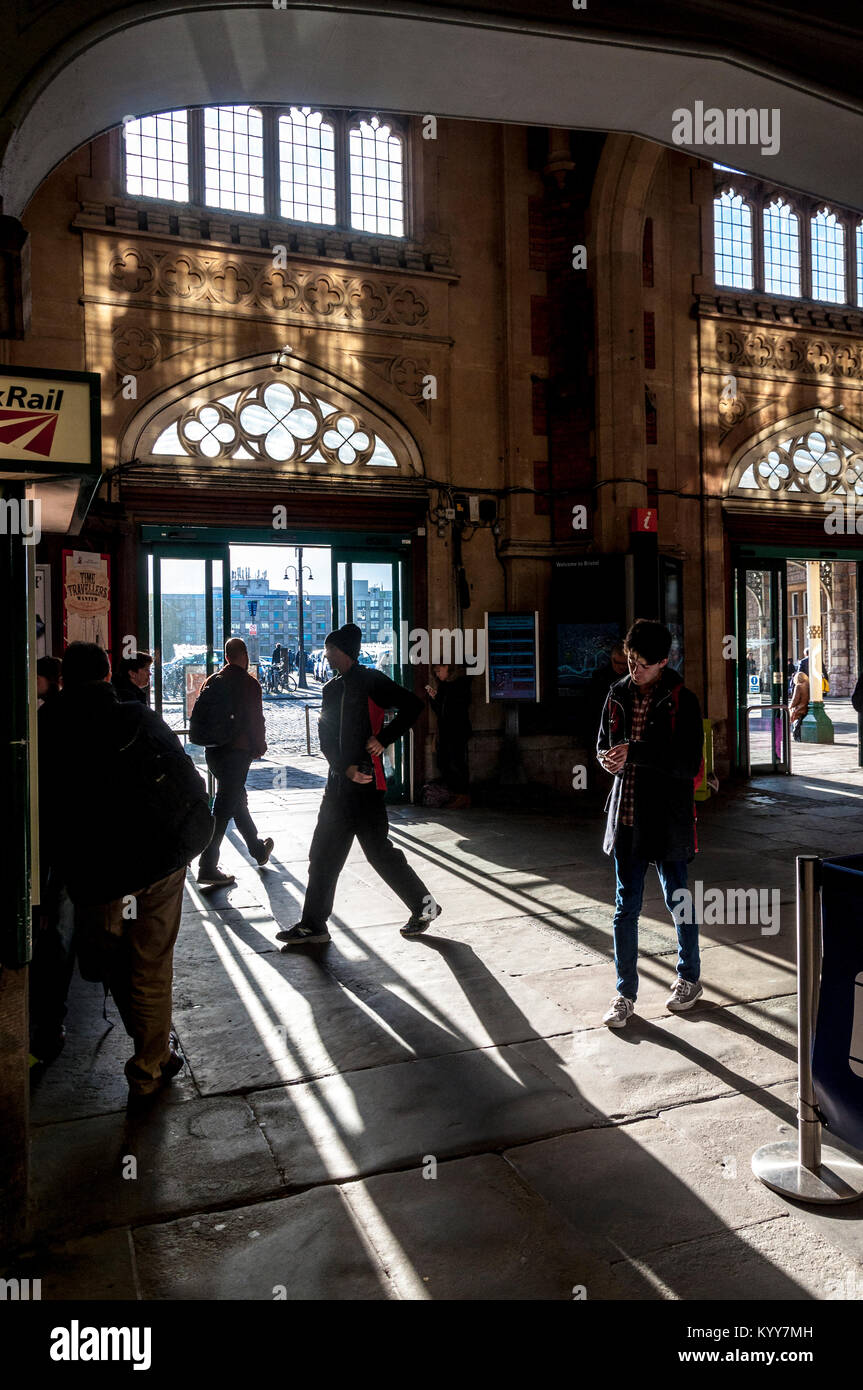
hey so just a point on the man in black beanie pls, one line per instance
(353, 738)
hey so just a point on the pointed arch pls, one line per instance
(805, 458)
(246, 419)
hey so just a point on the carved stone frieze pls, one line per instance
(136, 349)
(405, 373)
(165, 276)
(789, 354)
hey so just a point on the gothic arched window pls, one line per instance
(376, 169)
(781, 249)
(828, 257)
(307, 167)
(732, 240)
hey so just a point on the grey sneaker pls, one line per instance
(421, 921)
(684, 995)
(619, 1010)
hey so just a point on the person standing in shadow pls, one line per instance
(450, 700)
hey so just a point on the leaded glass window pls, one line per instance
(307, 167)
(274, 422)
(811, 463)
(732, 240)
(376, 178)
(157, 156)
(828, 257)
(781, 249)
(234, 158)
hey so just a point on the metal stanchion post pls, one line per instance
(308, 733)
(804, 1170)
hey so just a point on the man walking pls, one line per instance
(353, 739)
(651, 740)
(239, 694)
(123, 812)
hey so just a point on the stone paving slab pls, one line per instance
(197, 1154)
(305, 1247)
(92, 1267)
(255, 1020)
(639, 1188)
(584, 993)
(649, 1065)
(730, 1130)
(777, 1259)
(391, 1117)
(474, 1232)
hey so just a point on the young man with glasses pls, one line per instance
(651, 741)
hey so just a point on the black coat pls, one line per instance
(353, 708)
(127, 691)
(451, 704)
(94, 833)
(667, 760)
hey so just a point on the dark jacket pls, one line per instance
(127, 691)
(352, 709)
(451, 704)
(95, 833)
(857, 697)
(667, 761)
(247, 703)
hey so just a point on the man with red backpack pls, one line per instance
(651, 739)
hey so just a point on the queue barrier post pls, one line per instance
(804, 1169)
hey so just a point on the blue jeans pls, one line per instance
(629, 872)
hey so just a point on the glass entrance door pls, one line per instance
(762, 678)
(371, 593)
(189, 602)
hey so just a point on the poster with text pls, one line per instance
(86, 598)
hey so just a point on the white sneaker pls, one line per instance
(684, 995)
(618, 1011)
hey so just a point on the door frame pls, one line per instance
(750, 556)
(174, 550)
(349, 555)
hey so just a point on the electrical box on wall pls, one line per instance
(474, 510)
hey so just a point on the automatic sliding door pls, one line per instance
(369, 592)
(189, 604)
(762, 697)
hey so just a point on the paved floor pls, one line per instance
(446, 1118)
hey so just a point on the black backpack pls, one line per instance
(170, 796)
(214, 721)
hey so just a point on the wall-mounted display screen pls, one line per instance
(512, 656)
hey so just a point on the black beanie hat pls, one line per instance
(348, 639)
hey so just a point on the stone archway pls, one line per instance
(520, 68)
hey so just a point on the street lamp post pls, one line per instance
(298, 571)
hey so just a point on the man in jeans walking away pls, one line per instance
(353, 738)
(651, 740)
(240, 696)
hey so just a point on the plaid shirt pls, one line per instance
(641, 702)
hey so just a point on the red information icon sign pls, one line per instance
(642, 519)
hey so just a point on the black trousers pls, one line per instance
(230, 767)
(350, 810)
(452, 761)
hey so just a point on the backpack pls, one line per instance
(213, 721)
(170, 794)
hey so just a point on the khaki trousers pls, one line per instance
(140, 972)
